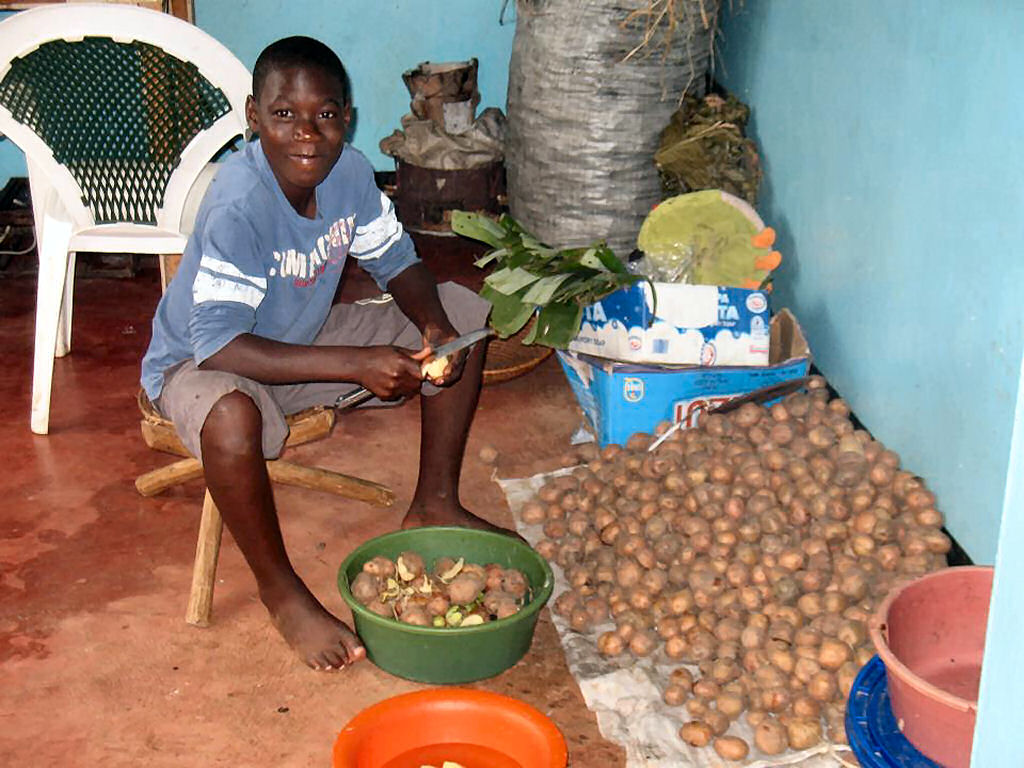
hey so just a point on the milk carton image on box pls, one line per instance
(689, 324)
(619, 399)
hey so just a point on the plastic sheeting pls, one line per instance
(423, 143)
(584, 123)
(625, 693)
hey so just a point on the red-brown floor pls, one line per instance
(98, 667)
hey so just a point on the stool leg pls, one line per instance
(204, 572)
(317, 479)
(156, 480)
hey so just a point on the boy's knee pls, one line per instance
(465, 308)
(233, 425)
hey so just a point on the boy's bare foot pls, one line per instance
(419, 516)
(321, 641)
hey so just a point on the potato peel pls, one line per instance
(452, 572)
(391, 590)
(403, 571)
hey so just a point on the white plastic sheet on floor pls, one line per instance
(625, 693)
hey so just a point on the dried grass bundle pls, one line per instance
(664, 19)
(704, 147)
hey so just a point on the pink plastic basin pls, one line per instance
(930, 634)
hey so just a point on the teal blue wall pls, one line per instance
(377, 40)
(890, 135)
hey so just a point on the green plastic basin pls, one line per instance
(448, 655)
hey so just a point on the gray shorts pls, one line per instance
(189, 394)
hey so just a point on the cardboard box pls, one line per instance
(619, 399)
(691, 325)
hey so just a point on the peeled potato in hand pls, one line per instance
(434, 369)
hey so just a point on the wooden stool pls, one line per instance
(305, 426)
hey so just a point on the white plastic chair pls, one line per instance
(118, 110)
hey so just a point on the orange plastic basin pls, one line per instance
(476, 729)
(930, 634)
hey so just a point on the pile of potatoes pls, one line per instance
(750, 551)
(453, 593)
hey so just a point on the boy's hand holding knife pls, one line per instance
(452, 353)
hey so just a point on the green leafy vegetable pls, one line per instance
(532, 279)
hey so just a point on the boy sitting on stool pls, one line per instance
(246, 331)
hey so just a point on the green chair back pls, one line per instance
(116, 115)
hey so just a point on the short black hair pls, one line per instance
(299, 51)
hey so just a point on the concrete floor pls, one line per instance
(98, 667)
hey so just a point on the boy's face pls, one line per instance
(302, 120)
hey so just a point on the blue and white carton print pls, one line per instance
(619, 399)
(691, 325)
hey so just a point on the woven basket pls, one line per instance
(509, 358)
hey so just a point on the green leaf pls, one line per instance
(510, 225)
(531, 242)
(508, 281)
(519, 256)
(541, 291)
(611, 262)
(556, 326)
(479, 227)
(508, 313)
(490, 256)
(590, 259)
(584, 289)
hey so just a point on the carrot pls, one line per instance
(769, 261)
(763, 239)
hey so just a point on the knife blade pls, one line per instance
(462, 342)
(362, 394)
(762, 395)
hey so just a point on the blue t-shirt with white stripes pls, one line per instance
(254, 265)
